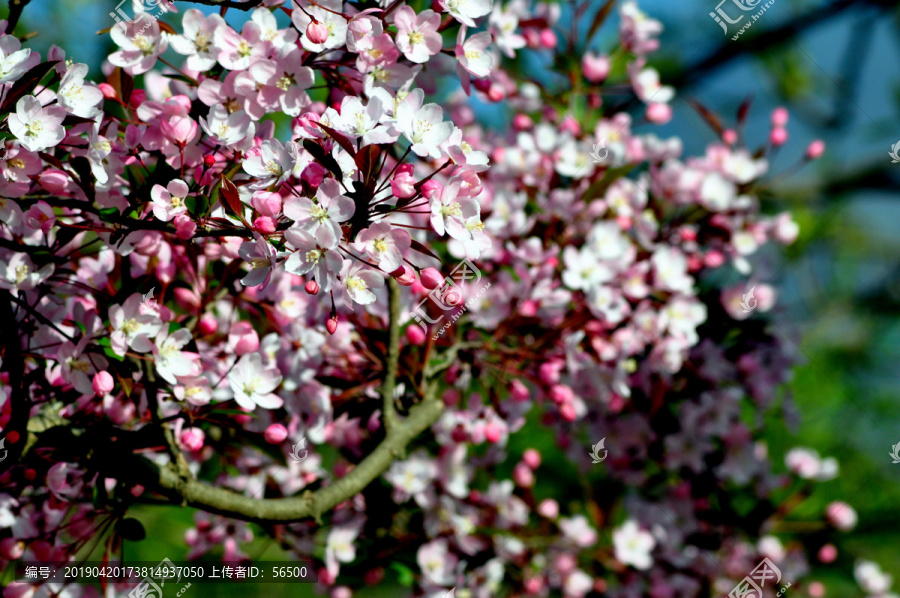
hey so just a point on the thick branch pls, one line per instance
(393, 355)
(222, 501)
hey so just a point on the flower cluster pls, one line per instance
(198, 270)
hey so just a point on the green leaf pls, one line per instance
(405, 576)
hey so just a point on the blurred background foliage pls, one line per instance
(833, 65)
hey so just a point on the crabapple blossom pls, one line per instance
(324, 262)
(168, 201)
(253, 384)
(417, 34)
(358, 283)
(37, 128)
(197, 40)
(423, 126)
(384, 245)
(633, 545)
(323, 217)
(141, 42)
(77, 96)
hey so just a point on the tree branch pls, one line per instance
(223, 501)
(15, 13)
(389, 415)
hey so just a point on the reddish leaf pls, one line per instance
(231, 200)
(711, 119)
(422, 249)
(27, 84)
(52, 160)
(122, 82)
(367, 162)
(163, 26)
(340, 138)
(323, 157)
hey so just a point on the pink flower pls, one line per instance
(192, 439)
(384, 244)
(322, 218)
(252, 383)
(35, 127)
(141, 41)
(168, 201)
(417, 35)
(261, 256)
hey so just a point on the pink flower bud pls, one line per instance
(522, 122)
(275, 434)
(138, 97)
(207, 325)
(407, 168)
(570, 125)
(403, 185)
(518, 391)
(548, 372)
(828, 553)
(548, 38)
(816, 589)
(659, 113)
(565, 563)
(531, 458)
(815, 149)
(266, 203)
(567, 411)
(431, 189)
(779, 117)
(533, 585)
(482, 85)
(311, 287)
(404, 275)
(314, 174)
(523, 476)
(729, 136)
(209, 160)
(841, 515)
(103, 384)
(192, 439)
(492, 432)
(341, 592)
(242, 339)
(561, 394)
(431, 278)
(529, 308)
(778, 137)
(316, 32)
(495, 94)
(713, 259)
(332, 324)
(184, 227)
(548, 508)
(415, 334)
(189, 299)
(108, 90)
(595, 67)
(264, 225)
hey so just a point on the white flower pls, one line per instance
(670, 270)
(413, 475)
(273, 164)
(356, 120)
(170, 362)
(197, 40)
(37, 128)
(262, 258)
(325, 262)
(870, 577)
(230, 130)
(423, 126)
(466, 11)
(76, 96)
(359, 282)
(141, 42)
(14, 61)
(384, 244)
(133, 327)
(168, 201)
(473, 54)
(19, 273)
(633, 545)
(584, 270)
(253, 384)
(323, 218)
